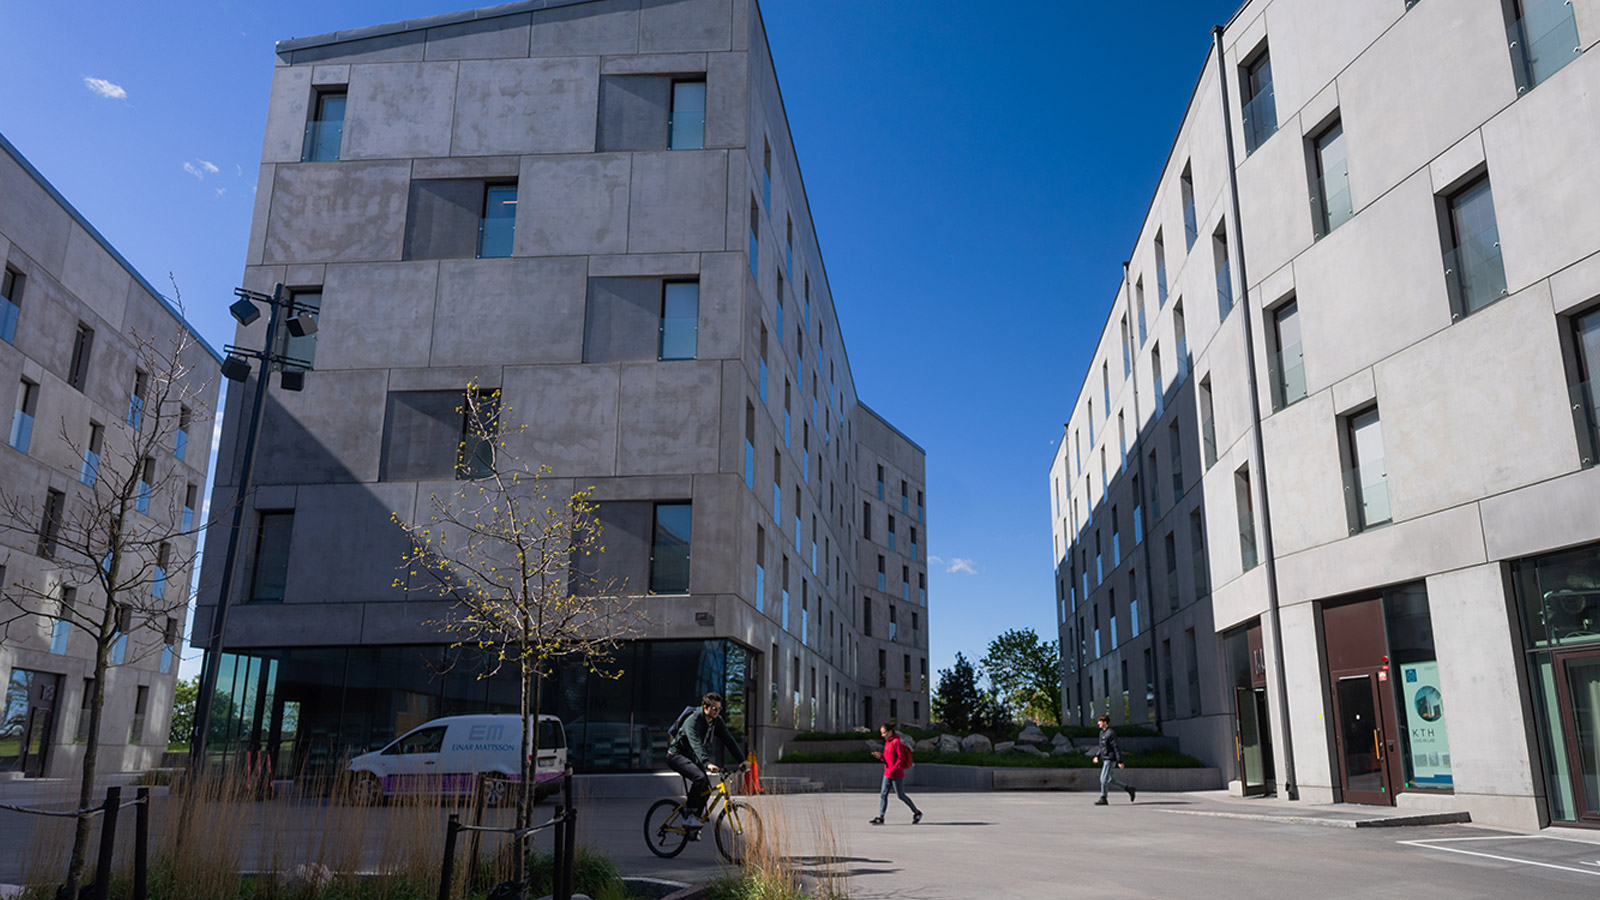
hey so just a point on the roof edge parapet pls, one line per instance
(422, 24)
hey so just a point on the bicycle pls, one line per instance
(738, 827)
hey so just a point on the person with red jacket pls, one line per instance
(896, 759)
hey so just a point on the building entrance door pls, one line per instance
(1578, 694)
(1363, 741)
(1254, 740)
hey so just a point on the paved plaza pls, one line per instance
(1054, 845)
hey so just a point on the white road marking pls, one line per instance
(1431, 844)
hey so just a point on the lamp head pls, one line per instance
(245, 311)
(302, 324)
(235, 369)
(293, 380)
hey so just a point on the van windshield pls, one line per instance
(551, 736)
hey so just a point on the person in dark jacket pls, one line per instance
(690, 752)
(895, 758)
(1108, 754)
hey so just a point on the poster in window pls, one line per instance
(1429, 745)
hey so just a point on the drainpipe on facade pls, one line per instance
(1144, 483)
(1290, 788)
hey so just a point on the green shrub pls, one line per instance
(592, 874)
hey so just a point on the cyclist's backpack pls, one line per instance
(906, 748)
(677, 727)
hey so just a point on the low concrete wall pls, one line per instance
(868, 776)
(848, 746)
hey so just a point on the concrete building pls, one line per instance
(1325, 507)
(73, 317)
(593, 206)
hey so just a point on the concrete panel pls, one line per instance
(714, 563)
(1558, 513)
(279, 625)
(669, 26)
(622, 320)
(727, 85)
(644, 264)
(1456, 69)
(1313, 42)
(416, 621)
(1404, 551)
(1576, 285)
(1453, 165)
(605, 26)
(445, 378)
(330, 76)
(401, 47)
(509, 311)
(1350, 317)
(634, 112)
(1541, 154)
(330, 433)
(721, 301)
(1310, 715)
(572, 411)
(573, 205)
(656, 64)
(96, 278)
(744, 24)
(31, 218)
(259, 211)
(1354, 392)
(678, 201)
(1435, 429)
(499, 37)
(668, 418)
(288, 111)
(399, 109)
(336, 212)
(526, 106)
(1478, 663)
(377, 315)
(304, 276)
(1304, 475)
(1273, 203)
(498, 168)
(344, 549)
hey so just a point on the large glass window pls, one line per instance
(10, 304)
(1585, 378)
(1330, 194)
(82, 345)
(325, 132)
(688, 129)
(1474, 272)
(1366, 482)
(22, 417)
(1244, 502)
(1191, 230)
(669, 549)
(497, 229)
(1260, 112)
(302, 347)
(271, 571)
(1287, 362)
(1424, 737)
(680, 319)
(1543, 36)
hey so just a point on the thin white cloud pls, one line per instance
(202, 170)
(221, 191)
(955, 564)
(108, 90)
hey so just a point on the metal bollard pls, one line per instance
(475, 838)
(141, 846)
(570, 823)
(447, 869)
(558, 852)
(108, 842)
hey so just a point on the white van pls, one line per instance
(451, 754)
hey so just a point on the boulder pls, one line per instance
(1031, 735)
(949, 743)
(926, 745)
(309, 877)
(1063, 750)
(976, 743)
(1060, 740)
(1029, 748)
(1004, 746)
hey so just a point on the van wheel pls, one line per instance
(367, 790)
(497, 791)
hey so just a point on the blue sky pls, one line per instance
(976, 172)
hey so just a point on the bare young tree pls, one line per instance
(118, 546)
(517, 557)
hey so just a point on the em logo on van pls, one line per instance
(485, 732)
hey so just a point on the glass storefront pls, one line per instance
(1558, 602)
(1419, 700)
(308, 709)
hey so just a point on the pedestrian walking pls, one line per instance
(1109, 755)
(896, 760)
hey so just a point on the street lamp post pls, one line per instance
(237, 368)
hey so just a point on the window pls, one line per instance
(1099, 564)
(1127, 349)
(1221, 262)
(1197, 553)
(894, 623)
(755, 245)
(1105, 384)
(1170, 545)
(787, 416)
(147, 481)
(687, 128)
(749, 445)
(82, 734)
(1244, 502)
(1096, 611)
(1585, 378)
(905, 499)
(761, 385)
(480, 426)
(766, 173)
(905, 584)
(303, 348)
(882, 582)
(913, 542)
(158, 582)
(1543, 36)
(1175, 445)
(325, 132)
(273, 531)
(1194, 672)
(1473, 270)
(1366, 481)
(10, 304)
(1180, 339)
(680, 319)
(61, 628)
(22, 418)
(1208, 426)
(141, 704)
(1191, 230)
(783, 588)
(1286, 365)
(180, 439)
(434, 435)
(498, 227)
(883, 668)
(1259, 112)
(1155, 495)
(922, 594)
(788, 262)
(169, 644)
(1133, 601)
(1116, 538)
(1166, 681)
(1330, 192)
(866, 616)
(866, 520)
(191, 496)
(55, 503)
(777, 486)
(82, 344)
(1138, 298)
(1158, 384)
(761, 568)
(1161, 272)
(1138, 512)
(891, 533)
(141, 386)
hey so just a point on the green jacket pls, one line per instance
(696, 737)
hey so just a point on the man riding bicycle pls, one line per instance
(689, 753)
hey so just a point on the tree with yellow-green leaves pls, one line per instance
(516, 555)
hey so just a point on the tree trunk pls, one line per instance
(91, 753)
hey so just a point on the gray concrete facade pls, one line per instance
(1299, 273)
(71, 297)
(760, 429)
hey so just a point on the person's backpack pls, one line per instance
(677, 727)
(909, 756)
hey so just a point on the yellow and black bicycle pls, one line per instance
(667, 829)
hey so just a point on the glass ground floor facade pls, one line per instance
(305, 710)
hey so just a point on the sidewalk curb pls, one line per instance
(1445, 818)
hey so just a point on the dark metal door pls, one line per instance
(1254, 758)
(1362, 740)
(1578, 694)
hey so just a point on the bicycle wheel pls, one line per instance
(664, 831)
(738, 832)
